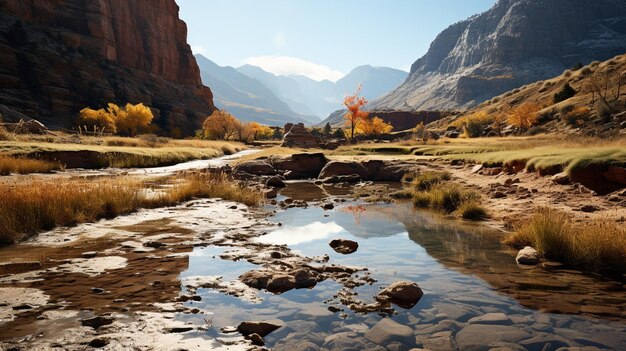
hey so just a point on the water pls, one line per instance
(462, 268)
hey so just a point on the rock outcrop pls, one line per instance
(57, 57)
(514, 43)
(296, 135)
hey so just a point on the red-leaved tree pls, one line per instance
(355, 114)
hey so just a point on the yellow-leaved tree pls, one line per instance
(220, 125)
(129, 120)
(373, 126)
(524, 116)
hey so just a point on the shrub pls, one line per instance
(128, 120)
(96, 120)
(445, 197)
(565, 93)
(576, 116)
(5, 135)
(595, 245)
(426, 180)
(372, 127)
(475, 124)
(524, 116)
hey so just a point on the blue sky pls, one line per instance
(322, 39)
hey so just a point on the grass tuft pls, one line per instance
(445, 197)
(472, 210)
(594, 245)
(43, 205)
(21, 165)
(426, 180)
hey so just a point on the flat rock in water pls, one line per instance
(527, 256)
(343, 246)
(387, 331)
(491, 318)
(479, 336)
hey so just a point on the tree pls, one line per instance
(339, 133)
(354, 103)
(220, 125)
(420, 132)
(327, 129)
(607, 87)
(248, 132)
(128, 120)
(524, 116)
(132, 119)
(100, 120)
(373, 127)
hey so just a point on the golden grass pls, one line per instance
(42, 205)
(536, 153)
(594, 245)
(175, 151)
(19, 165)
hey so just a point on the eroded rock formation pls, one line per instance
(57, 57)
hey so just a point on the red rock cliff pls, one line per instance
(59, 56)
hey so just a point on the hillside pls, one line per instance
(514, 43)
(59, 57)
(598, 107)
(306, 96)
(247, 98)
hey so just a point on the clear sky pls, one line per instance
(322, 39)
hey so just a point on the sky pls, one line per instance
(321, 39)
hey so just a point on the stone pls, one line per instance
(296, 135)
(497, 318)
(256, 167)
(18, 267)
(271, 194)
(480, 336)
(589, 208)
(560, 178)
(527, 256)
(301, 166)
(89, 254)
(256, 339)
(343, 168)
(105, 51)
(402, 293)
(97, 321)
(349, 179)
(387, 331)
(344, 246)
(328, 206)
(386, 171)
(275, 182)
(260, 328)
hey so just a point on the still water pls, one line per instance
(475, 296)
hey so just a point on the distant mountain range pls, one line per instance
(514, 43)
(252, 94)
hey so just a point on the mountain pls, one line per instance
(514, 43)
(57, 57)
(307, 96)
(245, 97)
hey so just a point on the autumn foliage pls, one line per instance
(128, 120)
(355, 115)
(373, 126)
(221, 125)
(524, 116)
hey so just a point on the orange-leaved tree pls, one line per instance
(354, 104)
(373, 126)
(524, 116)
(220, 125)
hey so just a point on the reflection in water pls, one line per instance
(463, 269)
(292, 235)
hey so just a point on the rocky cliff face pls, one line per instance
(57, 57)
(514, 43)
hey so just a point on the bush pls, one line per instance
(472, 210)
(445, 197)
(576, 116)
(475, 124)
(565, 93)
(425, 181)
(128, 120)
(524, 116)
(5, 135)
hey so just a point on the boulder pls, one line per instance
(301, 166)
(279, 282)
(256, 167)
(387, 331)
(298, 136)
(275, 182)
(343, 246)
(561, 178)
(260, 328)
(385, 171)
(350, 179)
(403, 293)
(527, 256)
(343, 168)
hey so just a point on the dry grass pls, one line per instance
(20, 165)
(43, 205)
(595, 245)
